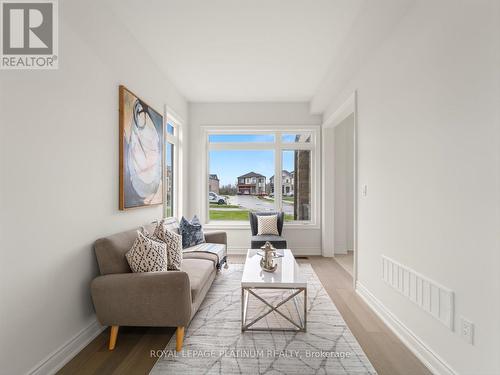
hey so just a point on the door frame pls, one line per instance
(350, 106)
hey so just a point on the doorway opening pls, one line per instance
(344, 191)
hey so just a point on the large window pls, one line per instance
(261, 171)
(171, 153)
(296, 184)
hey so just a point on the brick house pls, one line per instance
(213, 183)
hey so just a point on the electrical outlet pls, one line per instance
(467, 330)
(364, 190)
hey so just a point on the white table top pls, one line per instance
(287, 275)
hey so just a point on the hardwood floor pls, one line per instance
(384, 350)
(132, 353)
(346, 261)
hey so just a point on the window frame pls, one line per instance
(174, 139)
(278, 147)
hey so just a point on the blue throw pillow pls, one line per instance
(191, 231)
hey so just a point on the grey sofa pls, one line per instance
(257, 241)
(156, 299)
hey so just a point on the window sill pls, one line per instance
(246, 226)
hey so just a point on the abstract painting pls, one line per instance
(141, 152)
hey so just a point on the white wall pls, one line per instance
(344, 186)
(327, 191)
(301, 241)
(428, 138)
(59, 178)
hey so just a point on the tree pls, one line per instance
(228, 189)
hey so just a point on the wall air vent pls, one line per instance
(424, 292)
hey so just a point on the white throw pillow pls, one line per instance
(147, 255)
(267, 224)
(173, 241)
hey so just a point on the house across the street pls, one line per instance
(252, 184)
(287, 183)
(213, 183)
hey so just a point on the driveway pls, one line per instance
(254, 203)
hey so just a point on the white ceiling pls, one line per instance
(242, 50)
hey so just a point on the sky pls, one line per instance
(229, 164)
(224, 138)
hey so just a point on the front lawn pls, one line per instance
(241, 215)
(236, 215)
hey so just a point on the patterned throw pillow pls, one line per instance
(192, 232)
(147, 255)
(267, 224)
(173, 242)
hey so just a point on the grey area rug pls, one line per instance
(214, 343)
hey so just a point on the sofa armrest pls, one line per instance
(156, 299)
(219, 237)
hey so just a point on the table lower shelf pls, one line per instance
(299, 324)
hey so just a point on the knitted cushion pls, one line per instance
(173, 242)
(267, 224)
(147, 255)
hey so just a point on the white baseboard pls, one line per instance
(301, 251)
(57, 359)
(425, 354)
(340, 252)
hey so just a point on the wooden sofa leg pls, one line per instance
(112, 337)
(179, 335)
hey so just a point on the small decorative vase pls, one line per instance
(267, 262)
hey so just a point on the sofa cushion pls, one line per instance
(172, 224)
(147, 255)
(173, 242)
(199, 272)
(174, 250)
(191, 231)
(214, 248)
(110, 251)
(201, 255)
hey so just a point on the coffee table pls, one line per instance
(287, 276)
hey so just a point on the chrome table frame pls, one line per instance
(299, 326)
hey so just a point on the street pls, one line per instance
(254, 203)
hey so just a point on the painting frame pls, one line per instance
(134, 191)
